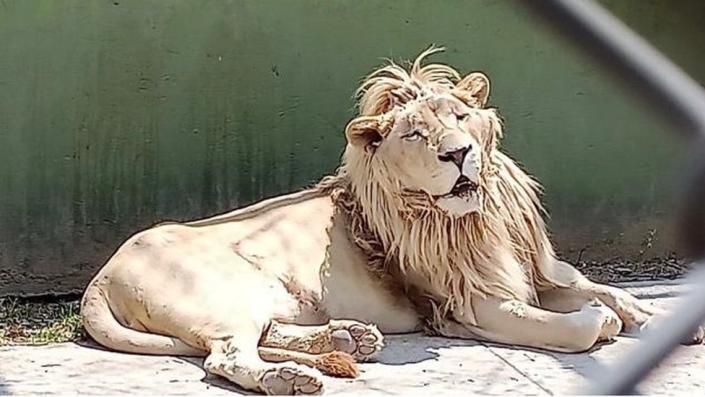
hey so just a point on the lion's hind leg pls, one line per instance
(236, 359)
(361, 341)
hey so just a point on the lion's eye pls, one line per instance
(462, 117)
(414, 135)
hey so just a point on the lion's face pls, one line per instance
(434, 146)
(437, 144)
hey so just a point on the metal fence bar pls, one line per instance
(681, 100)
(663, 84)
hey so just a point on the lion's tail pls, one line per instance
(101, 325)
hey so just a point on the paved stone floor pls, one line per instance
(411, 364)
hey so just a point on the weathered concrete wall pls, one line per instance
(117, 114)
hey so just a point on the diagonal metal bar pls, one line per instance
(664, 85)
(673, 94)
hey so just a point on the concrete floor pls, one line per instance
(410, 364)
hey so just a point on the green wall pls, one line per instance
(118, 114)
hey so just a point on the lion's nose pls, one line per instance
(456, 155)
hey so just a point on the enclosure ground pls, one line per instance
(410, 364)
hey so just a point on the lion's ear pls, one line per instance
(474, 89)
(365, 132)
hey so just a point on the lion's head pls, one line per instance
(425, 132)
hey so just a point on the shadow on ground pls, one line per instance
(405, 349)
(212, 380)
(4, 387)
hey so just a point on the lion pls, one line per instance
(425, 226)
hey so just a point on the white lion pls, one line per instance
(426, 225)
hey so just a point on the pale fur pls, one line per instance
(261, 291)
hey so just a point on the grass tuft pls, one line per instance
(30, 322)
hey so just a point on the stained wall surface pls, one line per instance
(115, 115)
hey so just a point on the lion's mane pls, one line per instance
(502, 251)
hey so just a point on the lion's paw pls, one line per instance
(695, 339)
(291, 379)
(635, 314)
(362, 341)
(610, 323)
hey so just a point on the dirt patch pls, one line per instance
(621, 271)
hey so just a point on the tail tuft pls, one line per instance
(337, 364)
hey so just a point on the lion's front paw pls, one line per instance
(695, 339)
(639, 317)
(636, 315)
(291, 379)
(360, 340)
(610, 323)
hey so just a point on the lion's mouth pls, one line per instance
(463, 187)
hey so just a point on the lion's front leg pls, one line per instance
(517, 323)
(635, 315)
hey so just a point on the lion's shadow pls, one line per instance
(416, 348)
(211, 380)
